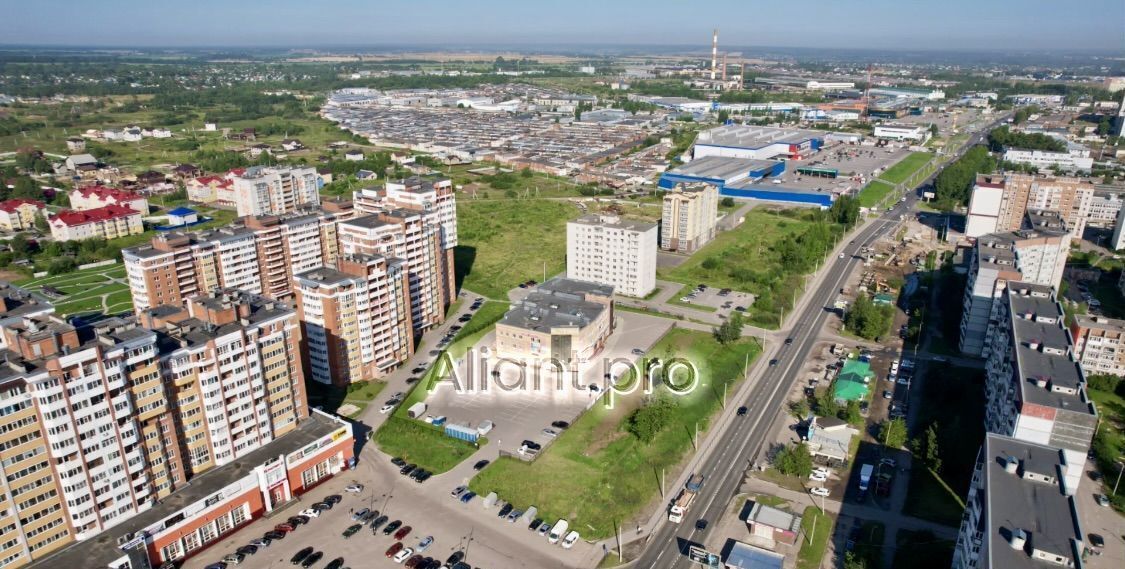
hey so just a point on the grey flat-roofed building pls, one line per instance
(562, 318)
(1019, 512)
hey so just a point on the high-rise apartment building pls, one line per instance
(257, 255)
(264, 190)
(609, 250)
(356, 318)
(999, 201)
(405, 234)
(1099, 344)
(1035, 254)
(689, 218)
(1035, 390)
(1019, 513)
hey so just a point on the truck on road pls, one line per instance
(865, 472)
(685, 498)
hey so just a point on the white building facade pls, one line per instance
(613, 251)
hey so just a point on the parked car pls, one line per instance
(216, 565)
(386, 408)
(284, 528)
(560, 425)
(504, 511)
(233, 558)
(1096, 541)
(407, 469)
(301, 555)
(403, 532)
(550, 433)
(391, 527)
(312, 559)
(819, 491)
(534, 525)
(480, 465)
(570, 539)
(394, 549)
(1102, 500)
(333, 499)
(336, 563)
(514, 515)
(468, 496)
(425, 543)
(297, 521)
(398, 461)
(354, 488)
(274, 535)
(458, 491)
(455, 557)
(247, 550)
(402, 555)
(358, 516)
(378, 523)
(310, 513)
(322, 506)
(887, 394)
(818, 477)
(261, 542)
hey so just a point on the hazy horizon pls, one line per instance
(954, 25)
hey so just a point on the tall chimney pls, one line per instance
(714, 53)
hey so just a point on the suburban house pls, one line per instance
(19, 214)
(830, 439)
(80, 162)
(187, 171)
(94, 197)
(291, 144)
(108, 222)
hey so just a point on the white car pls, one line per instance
(819, 491)
(310, 512)
(403, 555)
(354, 488)
(550, 433)
(386, 408)
(818, 477)
(822, 470)
(570, 539)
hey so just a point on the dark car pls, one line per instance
(788, 341)
(322, 506)
(773, 362)
(301, 555)
(247, 550)
(426, 474)
(398, 461)
(336, 563)
(298, 521)
(507, 509)
(391, 527)
(369, 516)
(560, 424)
(1096, 540)
(334, 499)
(402, 533)
(481, 464)
(455, 557)
(407, 469)
(312, 559)
(378, 523)
(414, 474)
(742, 411)
(274, 535)
(350, 531)
(285, 528)
(534, 525)
(394, 548)
(532, 444)
(701, 524)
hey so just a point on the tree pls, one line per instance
(851, 413)
(925, 448)
(648, 420)
(723, 116)
(892, 433)
(709, 264)
(727, 202)
(794, 460)
(20, 245)
(41, 223)
(853, 561)
(26, 188)
(825, 403)
(952, 185)
(799, 409)
(1104, 126)
(933, 129)
(731, 330)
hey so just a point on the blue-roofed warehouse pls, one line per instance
(742, 178)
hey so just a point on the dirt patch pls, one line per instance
(11, 276)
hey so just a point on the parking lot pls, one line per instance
(724, 301)
(851, 160)
(520, 409)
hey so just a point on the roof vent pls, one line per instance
(1018, 539)
(1011, 465)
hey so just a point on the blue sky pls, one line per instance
(917, 24)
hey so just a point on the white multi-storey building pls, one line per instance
(1046, 159)
(264, 191)
(609, 250)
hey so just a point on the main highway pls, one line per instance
(738, 448)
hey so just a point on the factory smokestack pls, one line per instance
(714, 53)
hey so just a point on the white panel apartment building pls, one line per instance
(609, 250)
(1046, 159)
(263, 191)
(1036, 254)
(688, 220)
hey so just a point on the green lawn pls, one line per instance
(421, 443)
(85, 289)
(816, 528)
(922, 550)
(953, 398)
(873, 193)
(749, 258)
(504, 243)
(901, 171)
(596, 474)
(1109, 443)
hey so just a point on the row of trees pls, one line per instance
(1003, 137)
(953, 185)
(868, 319)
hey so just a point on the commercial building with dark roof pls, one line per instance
(563, 318)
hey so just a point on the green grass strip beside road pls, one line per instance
(906, 167)
(874, 193)
(422, 443)
(597, 474)
(816, 528)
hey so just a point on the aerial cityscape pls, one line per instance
(636, 284)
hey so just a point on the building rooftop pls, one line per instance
(721, 168)
(325, 276)
(102, 549)
(774, 517)
(367, 222)
(1100, 323)
(1046, 374)
(744, 556)
(17, 302)
(1028, 500)
(558, 303)
(616, 222)
(747, 136)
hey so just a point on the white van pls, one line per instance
(557, 531)
(568, 541)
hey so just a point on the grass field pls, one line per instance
(423, 444)
(748, 259)
(600, 475)
(87, 291)
(1109, 443)
(873, 193)
(504, 243)
(816, 528)
(953, 398)
(901, 171)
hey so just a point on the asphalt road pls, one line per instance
(739, 447)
